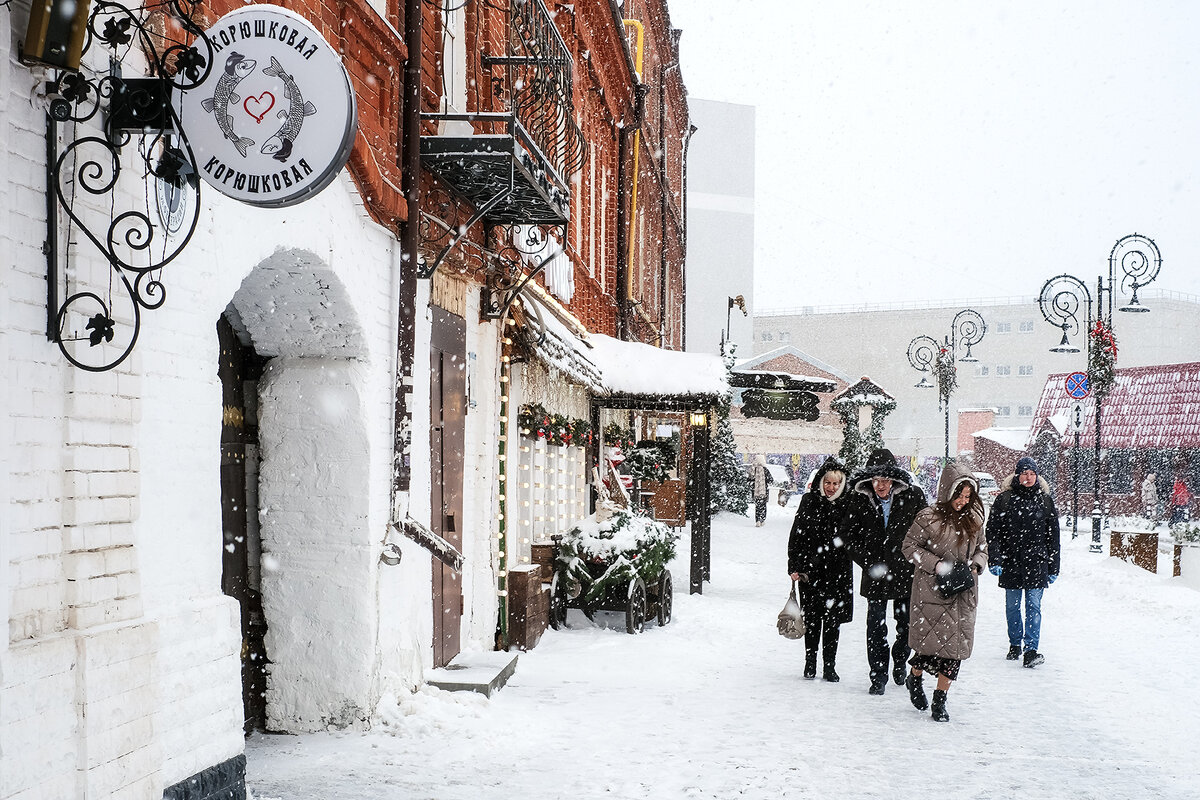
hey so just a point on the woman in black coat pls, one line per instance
(817, 557)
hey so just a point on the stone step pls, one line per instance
(474, 672)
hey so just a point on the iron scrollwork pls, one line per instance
(87, 175)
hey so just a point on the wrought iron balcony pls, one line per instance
(504, 171)
(517, 159)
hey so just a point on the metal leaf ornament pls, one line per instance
(189, 63)
(101, 327)
(116, 32)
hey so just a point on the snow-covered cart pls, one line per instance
(614, 564)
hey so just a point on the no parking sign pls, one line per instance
(1078, 386)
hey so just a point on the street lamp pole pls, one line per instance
(926, 355)
(740, 302)
(1061, 300)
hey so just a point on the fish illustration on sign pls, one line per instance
(279, 146)
(237, 67)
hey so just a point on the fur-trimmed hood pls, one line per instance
(881, 464)
(830, 465)
(1008, 483)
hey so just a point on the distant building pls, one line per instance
(1149, 423)
(1014, 357)
(720, 226)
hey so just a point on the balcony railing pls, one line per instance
(519, 157)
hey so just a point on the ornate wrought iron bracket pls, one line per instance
(496, 301)
(97, 327)
(425, 272)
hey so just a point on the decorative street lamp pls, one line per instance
(926, 355)
(740, 302)
(1061, 300)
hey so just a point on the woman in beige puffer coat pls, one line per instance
(942, 629)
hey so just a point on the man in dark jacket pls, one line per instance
(879, 512)
(1023, 550)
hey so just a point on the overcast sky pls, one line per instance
(949, 150)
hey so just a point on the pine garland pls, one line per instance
(857, 444)
(947, 374)
(1102, 359)
(557, 429)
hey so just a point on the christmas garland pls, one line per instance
(626, 544)
(856, 443)
(1102, 359)
(616, 436)
(649, 462)
(947, 374)
(557, 429)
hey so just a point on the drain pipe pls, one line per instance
(410, 247)
(639, 89)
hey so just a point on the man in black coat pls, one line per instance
(1024, 551)
(879, 512)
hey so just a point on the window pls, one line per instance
(1027, 326)
(1003, 327)
(547, 495)
(1024, 411)
(981, 371)
(1025, 369)
(1004, 411)
(1003, 369)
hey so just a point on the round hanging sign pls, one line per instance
(274, 122)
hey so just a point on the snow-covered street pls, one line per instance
(714, 706)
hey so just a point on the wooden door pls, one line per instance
(447, 405)
(240, 367)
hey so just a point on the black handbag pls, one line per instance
(957, 580)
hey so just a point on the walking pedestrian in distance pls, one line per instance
(879, 512)
(818, 559)
(1150, 496)
(760, 480)
(1024, 551)
(941, 629)
(1181, 500)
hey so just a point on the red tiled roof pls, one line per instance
(1149, 407)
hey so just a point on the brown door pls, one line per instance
(447, 412)
(239, 370)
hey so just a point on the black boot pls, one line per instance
(916, 692)
(1014, 652)
(829, 645)
(810, 665)
(938, 708)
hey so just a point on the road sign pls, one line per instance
(1077, 417)
(1078, 386)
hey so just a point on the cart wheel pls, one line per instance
(558, 602)
(635, 612)
(664, 598)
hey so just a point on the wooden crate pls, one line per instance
(1136, 547)
(543, 557)
(528, 607)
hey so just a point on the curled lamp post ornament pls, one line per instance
(925, 354)
(1066, 303)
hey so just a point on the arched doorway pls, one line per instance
(239, 370)
(308, 570)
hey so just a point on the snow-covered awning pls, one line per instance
(635, 369)
(610, 367)
(560, 347)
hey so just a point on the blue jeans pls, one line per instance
(1032, 628)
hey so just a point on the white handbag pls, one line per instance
(791, 619)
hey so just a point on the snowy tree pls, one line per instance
(729, 485)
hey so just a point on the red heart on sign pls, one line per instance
(265, 101)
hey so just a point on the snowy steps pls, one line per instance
(485, 673)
